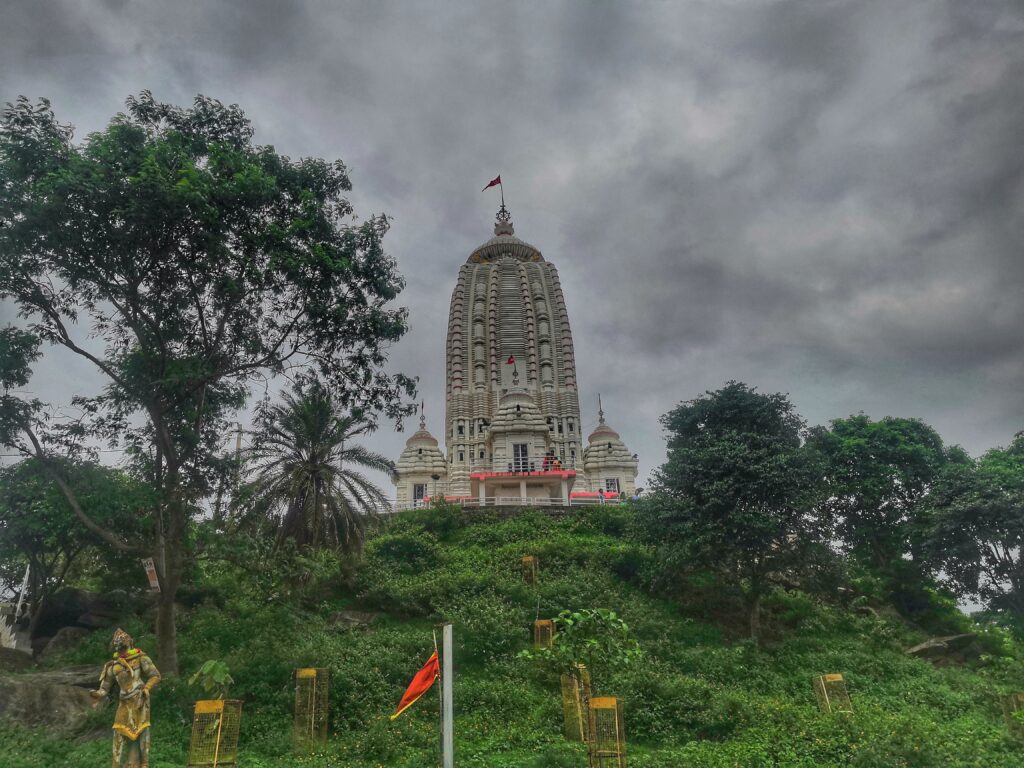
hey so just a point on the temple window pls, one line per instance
(612, 484)
(419, 490)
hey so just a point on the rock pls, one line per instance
(354, 618)
(95, 620)
(39, 643)
(79, 607)
(14, 661)
(945, 651)
(65, 639)
(56, 699)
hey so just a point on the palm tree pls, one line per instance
(303, 476)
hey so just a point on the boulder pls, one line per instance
(948, 650)
(65, 639)
(78, 607)
(354, 618)
(14, 661)
(56, 699)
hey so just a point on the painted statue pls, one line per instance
(135, 675)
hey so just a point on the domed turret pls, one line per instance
(421, 469)
(519, 435)
(607, 462)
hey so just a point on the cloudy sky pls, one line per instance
(821, 198)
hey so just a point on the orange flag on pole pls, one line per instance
(419, 685)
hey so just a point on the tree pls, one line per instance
(39, 529)
(595, 638)
(304, 478)
(877, 472)
(737, 494)
(186, 264)
(976, 527)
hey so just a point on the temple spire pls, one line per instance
(423, 415)
(600, 410)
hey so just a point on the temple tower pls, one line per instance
(508, 321)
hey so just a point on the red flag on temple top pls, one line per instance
(493, 182)
(511, 360)
(419, 685)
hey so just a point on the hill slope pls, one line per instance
(697, 699)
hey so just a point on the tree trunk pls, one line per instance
(36, 613)
(172, 573)
(755, 618)
(166, 630)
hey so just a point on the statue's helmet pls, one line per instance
(121, 641)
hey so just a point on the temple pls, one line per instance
(513, 432)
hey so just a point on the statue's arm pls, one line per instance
(151, 672)
(106, 681)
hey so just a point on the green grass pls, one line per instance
(699, 697)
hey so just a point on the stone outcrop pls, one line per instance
(12, 660)
(56, 699)
(65, 639)
(354, 618)
(949, 650)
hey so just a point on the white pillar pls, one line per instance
(522, 488)
(447, 708)
(565, 492)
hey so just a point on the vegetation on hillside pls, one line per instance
(701, 695)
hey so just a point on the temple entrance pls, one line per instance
(520, 457)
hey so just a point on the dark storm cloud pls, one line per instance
(824, 198)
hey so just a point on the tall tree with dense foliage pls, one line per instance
(305, 470)
(976, 528)
(185, 264)
(877, 472)
(738, 493)
(39, 529)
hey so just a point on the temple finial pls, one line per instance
(423, 415)
(503, 221)
(600, 410)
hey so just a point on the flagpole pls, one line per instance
(440, 701)
(447, 708)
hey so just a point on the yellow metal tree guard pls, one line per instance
(606, 745)
(543, 633)
(575, 695)
(1013, 703)
(214, 742)
(530, 570)
(312, 686)
(830, 690)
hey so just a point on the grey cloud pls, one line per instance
(824, 198)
